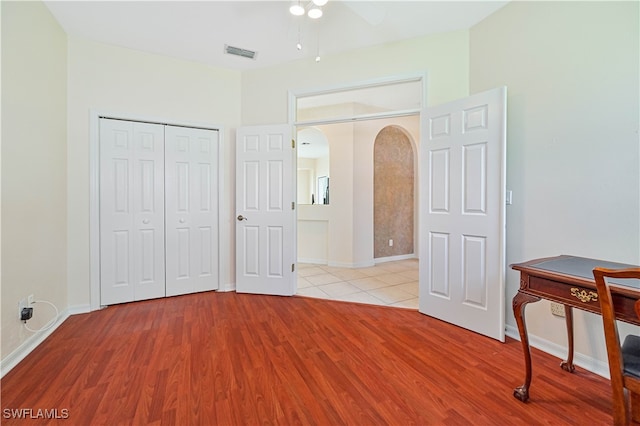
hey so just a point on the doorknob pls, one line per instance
(182, 220)
(145, 221)
(241, 218)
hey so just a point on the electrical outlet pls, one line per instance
(390, 243)
(557, 309)
(21, 304)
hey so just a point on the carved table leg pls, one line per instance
(568, 364)
(519, 302)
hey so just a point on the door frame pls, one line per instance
(294, 94)
(94, 191)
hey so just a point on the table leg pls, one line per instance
(520, 300)
(568, 364)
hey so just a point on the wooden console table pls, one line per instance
(567, 280)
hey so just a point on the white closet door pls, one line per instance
(131, 211)
(191, 191)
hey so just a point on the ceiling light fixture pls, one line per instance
(314, 8)
(315, 13)
(299, 43)
(297, 9)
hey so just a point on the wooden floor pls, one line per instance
(235, 359)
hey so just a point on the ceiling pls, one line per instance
(198, 30)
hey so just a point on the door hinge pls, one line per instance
(293, 144)
(293, 205)
(293, 267)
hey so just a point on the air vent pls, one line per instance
(230, 50)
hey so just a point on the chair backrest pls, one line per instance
(612, 338)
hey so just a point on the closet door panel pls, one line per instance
(149, 212)
(131, 211)
(191, 210)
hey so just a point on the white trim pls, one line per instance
(32, 342)
(588, 363)
(94, 191)
(79, 309)
(94, 210)
(227, 288)
(395, 258)
(312, 261)
(362, 117)
(383, 81)
(363, 264)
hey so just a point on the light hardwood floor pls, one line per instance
(388, 284)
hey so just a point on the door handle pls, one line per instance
(145, 221)
(241, 218)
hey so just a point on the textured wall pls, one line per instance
(393, 193)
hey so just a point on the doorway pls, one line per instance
(462, 178)
(336, 241)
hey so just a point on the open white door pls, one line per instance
(265, 245)
(462, 204)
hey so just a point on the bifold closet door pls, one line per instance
(131, 211)
(191, 208)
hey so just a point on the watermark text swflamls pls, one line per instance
(35, 413)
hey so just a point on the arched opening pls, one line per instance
(393, 194)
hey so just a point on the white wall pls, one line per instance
(114, 79)
(264, 99)
(571, 69)
(444, 56)
(34, 194)
(341, 187)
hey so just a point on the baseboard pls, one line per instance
(79, 309)
(227, 287)
(21, 352)
(312, 261)
(394, 258)
(590, 364)
(365, 264)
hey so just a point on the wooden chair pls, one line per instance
(624, 360)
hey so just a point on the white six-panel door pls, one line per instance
(265, 246)
(131, 211)
(191, 210)
(158, 210)
(462, 226)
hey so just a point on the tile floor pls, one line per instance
(390, 283)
